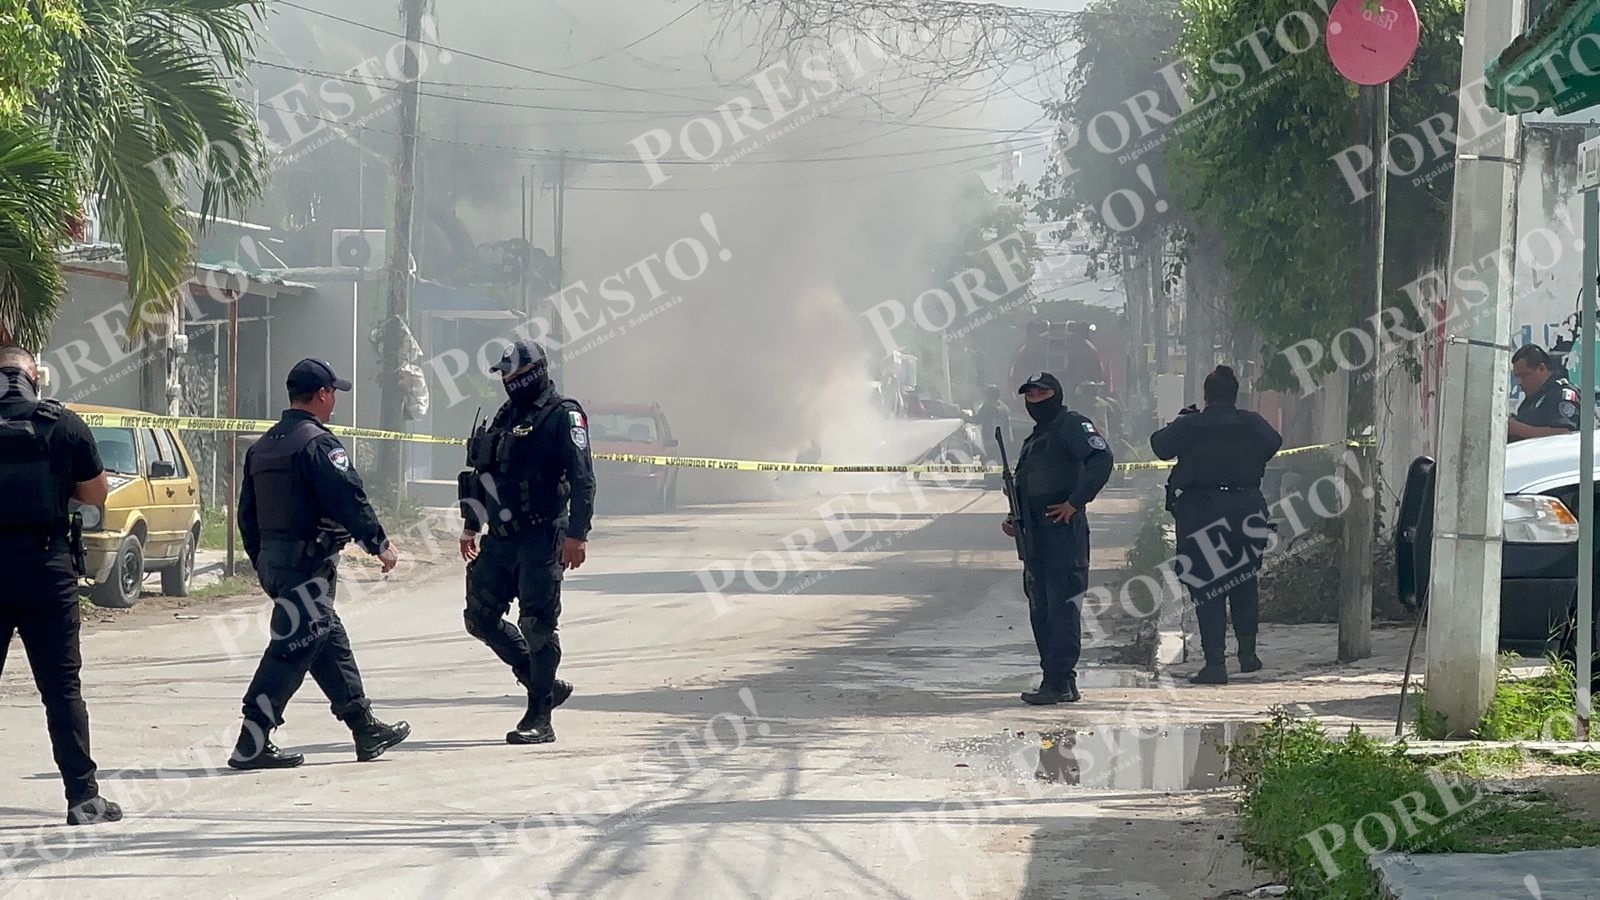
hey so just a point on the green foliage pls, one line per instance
(1537, 708)
(1125, 45)
(29, 30)
(1296, 780)
(37, 198)
(1151, 546)
(1257, 167)
(146, 109)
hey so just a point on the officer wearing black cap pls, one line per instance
(1214, 495)
(1062, 467)
(48, 457)
(1549, 403)
(302, 501)
(524, 469)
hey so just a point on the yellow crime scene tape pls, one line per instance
(259, 426)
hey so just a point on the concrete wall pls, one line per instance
(85, 353)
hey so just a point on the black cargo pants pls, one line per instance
(41, 605)
(1054, 580)
(1223, 579)
(306, 637)
(525, 566)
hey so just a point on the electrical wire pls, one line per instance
(584, 157)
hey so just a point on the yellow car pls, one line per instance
(151, 518)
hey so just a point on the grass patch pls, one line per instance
(1536, 708)
(225, 587)
(214, 531)
(1302, 790)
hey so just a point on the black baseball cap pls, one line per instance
(519, 354)
(1041, 379)
(313, 375)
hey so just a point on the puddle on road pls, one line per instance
(1158, 758)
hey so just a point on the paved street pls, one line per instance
(853, 731)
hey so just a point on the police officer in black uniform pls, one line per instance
(1062, 467)
(525, 467)
(301, 503)
(1214, 495)
(48, 456)
(1550, 402)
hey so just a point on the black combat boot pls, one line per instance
(1215, 670)
(93, 811)
(534, 728)
(559, 693)
(1248, 660)
(1050, 693)
(254, 750)
(374, 737)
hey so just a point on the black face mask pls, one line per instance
(16, 383)
(527, 387)
(1046, 410)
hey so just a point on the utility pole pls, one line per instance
(1361, 394)
(1469, 529)
(558, 334)
(392, 403)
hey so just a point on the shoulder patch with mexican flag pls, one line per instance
(580, 428)
(576, 417)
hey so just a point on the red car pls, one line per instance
(640, 430)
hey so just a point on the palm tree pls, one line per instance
(38, 196)
(144, 106)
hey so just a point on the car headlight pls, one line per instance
(1538, 520)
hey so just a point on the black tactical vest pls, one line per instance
(1047, 469)
(518, 496)
(283, 512)
(30, 484)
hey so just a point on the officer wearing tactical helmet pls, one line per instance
(48, 455)
(524, 467)
(302, 501)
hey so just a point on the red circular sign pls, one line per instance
(1372, 47)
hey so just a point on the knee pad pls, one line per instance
(538, 635)
(478, 622)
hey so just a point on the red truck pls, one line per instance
(638, 429)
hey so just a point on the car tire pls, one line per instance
(121, 588)
(175, 580)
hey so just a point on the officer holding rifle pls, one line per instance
(1063, 466)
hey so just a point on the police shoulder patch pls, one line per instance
(339, 458)
(577, 418)
(1569, 408)
(1098, 443)
(1088, 426)
(1569, 395)
(580, 438)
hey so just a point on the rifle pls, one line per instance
(1011, 496)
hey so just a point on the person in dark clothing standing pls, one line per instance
(991, 415)
(1214, 495)
(1062, 467)
(524, 469)
(48, 458)
(301, 503)
(1549, 403)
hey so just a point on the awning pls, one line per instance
(1550, 66)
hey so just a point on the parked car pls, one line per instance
(151, 519)
(640, 430)
(1539, 557)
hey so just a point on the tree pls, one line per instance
(143, 106)
(37, 196)
(1258, 168)
(29, 29)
